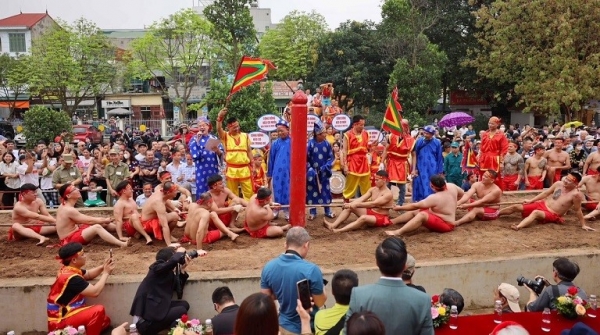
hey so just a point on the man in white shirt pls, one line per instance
(141, 149)
(189, 174)
(175, 168)
(28, 173)
(47, 167)
(141, 199)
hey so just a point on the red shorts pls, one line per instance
(261, 233)
(550, 217)
(590, 206)
(535, 183)
(225, 218)
(508, 182)
(591, 172)
(489, 213)
(128, 228)
(381, 220)
(75, 236)
(12, 236)
(435, 223)
(212, 236)
(152, 226)
(557, 175)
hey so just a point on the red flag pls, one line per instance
(393, 115)
(469, 161)
(249, 71)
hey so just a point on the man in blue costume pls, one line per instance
(205, 151)
(278, 174)
(427, 161)
(319, 162)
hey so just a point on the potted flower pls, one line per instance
(185, 326)
(68, 330)
(571, 305)
(439, 312)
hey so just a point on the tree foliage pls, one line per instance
(292, 45)
(42, 123)
(71, 63)
(232, 29)
(14, 78)
(548, 48)
(179, 48)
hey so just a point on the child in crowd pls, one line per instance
(93, 199)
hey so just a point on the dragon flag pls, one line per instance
(249, 71)
(393, 115)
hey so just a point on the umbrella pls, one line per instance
(573, 124)
(455, 119)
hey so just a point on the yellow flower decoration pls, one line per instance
(442, 311)
(178, 331)
(562, 300)
(580, 310)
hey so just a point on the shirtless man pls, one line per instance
(73, 226)
(225, 203)
(259, 215)
(185, 196)
(127, 217)
(592, 163)
(437, 212)
(373, 213)
(546, 209)
(31, 218)
(200, 218)
(558, 160)
(155, 218)
(486, 207)
(535, 168)
(592, 190)
(513, 168)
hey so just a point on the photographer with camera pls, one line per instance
(153, 308)
(542, 294)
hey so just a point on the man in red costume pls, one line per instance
(354, 159)
(66, 301)
(395, 158)
(494, 146)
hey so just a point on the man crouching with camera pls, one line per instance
(564, 272)
(153, 308)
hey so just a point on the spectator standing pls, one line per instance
(452, 166)
(66, 173)
(225, 305)
(8, 171)
(29, 173)
(149, 169)
(331, 320)
(115, 172)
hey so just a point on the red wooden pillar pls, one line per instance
(298, 159)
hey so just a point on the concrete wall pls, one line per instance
(22, 301)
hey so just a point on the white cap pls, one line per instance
(512, 296)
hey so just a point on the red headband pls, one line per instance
(169, 190)
(68, 191)
(165, 176)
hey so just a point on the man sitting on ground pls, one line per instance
(374, 213)
(225, 305)
(127, 217)
(73, 226)
(545, 209)
(509, 296)
(203, 225)
(155, 219)
(331, 320)
(486, 206)
(437, 212)
(592, 193)
(259, 215)
(31, 218)
(226, 204)
(408, 273)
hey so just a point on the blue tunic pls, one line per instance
(279, 170)
(319, 163)
(206, 162)
(429, 163)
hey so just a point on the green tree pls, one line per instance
(178, 48)
(41, 123)
(292, 45)
(232, 29)
(548, 49)
(70, 64)
(13, 78)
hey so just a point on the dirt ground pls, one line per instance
(476, 240)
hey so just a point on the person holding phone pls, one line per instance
(280, 276)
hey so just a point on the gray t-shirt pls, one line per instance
(547, 298)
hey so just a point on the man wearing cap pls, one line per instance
(115, 172)
(592, 162)
(395, 159)
(205, 151)
(31, 218)
(66, 301)
(452, 166)
(558, 160)
(155, 218)
(319, 162)
(278, 172)
(535, 168)
(550, 205)
(427, 161)
(408, 273)
(354, 159)
(494, 146)
(509, 296)
(66, 173)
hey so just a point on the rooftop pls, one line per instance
(124, 33)
(22, 20)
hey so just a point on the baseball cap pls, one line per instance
(512, 296)
(67, 158)
(113, 152)
(455, 145)
(410, 265)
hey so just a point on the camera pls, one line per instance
(536, 285)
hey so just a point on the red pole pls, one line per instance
(298, 168)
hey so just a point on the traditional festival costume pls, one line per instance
(359, 174)
(238, 164)
(319, 161)
(279, 168)
(375, 162)
(398, 151)
(429, 163)
(258, 178)
(492, 151)
(205, 161)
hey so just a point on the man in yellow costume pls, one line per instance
(238, 155)
(354, 160)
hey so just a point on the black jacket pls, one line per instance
(154, 295)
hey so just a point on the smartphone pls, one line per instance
(110, 253)
(304, 293)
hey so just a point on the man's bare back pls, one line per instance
(592, 163)
(257, 216)
(443, 204)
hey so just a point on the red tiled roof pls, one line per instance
(22, 20)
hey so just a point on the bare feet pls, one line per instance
(590, 218)
(336, 230)
(236, 229)
(233, 236)
(124, 239)
(286, 227)
(514, 227)
(149, 241)
(126, 243)
(202, 253)
(328, 224)
(42, 241)
(174, 239)
(391, 233)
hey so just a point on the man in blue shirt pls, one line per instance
(280, 275)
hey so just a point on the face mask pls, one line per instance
(125, 156)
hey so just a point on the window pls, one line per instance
(16, 42)
(146, 112)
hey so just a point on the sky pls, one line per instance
(135, 14)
